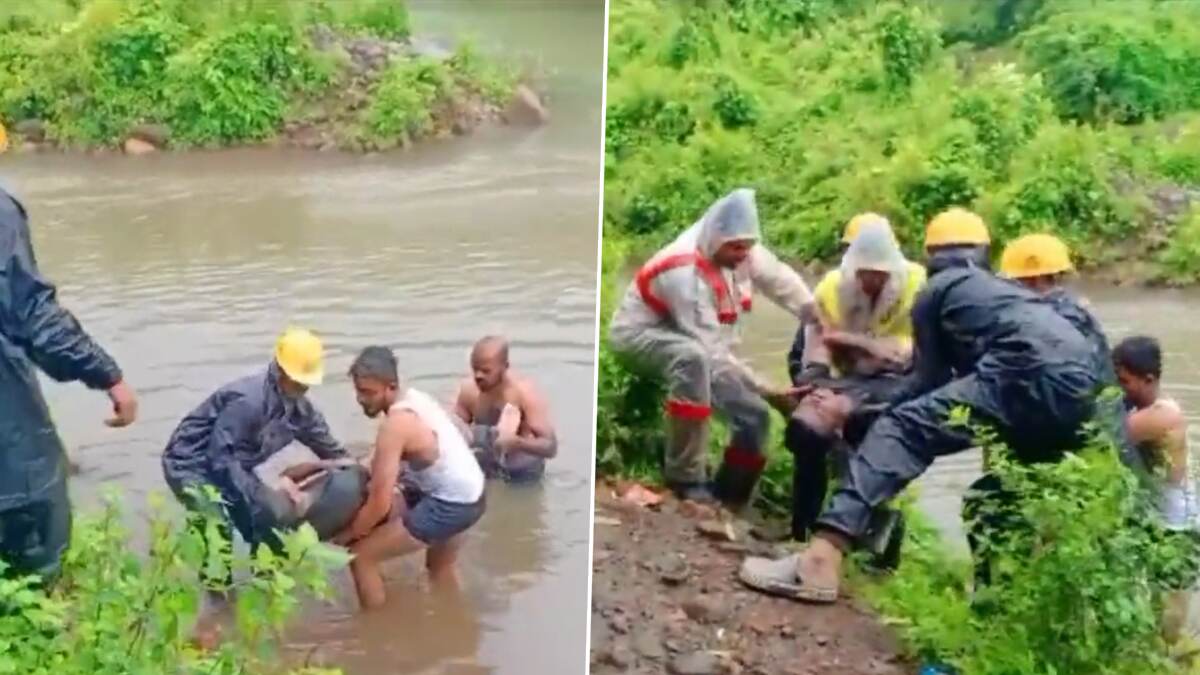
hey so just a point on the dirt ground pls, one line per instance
(666, 598)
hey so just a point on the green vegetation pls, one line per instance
(222, 72)
(1078, 117)
(1084, 582)
(116, 611)
(1059, 118)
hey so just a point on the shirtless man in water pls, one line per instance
(426, 489)
(508, 419)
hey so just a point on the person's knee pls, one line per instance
(689, 370)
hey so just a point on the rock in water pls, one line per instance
(696, 663)
(31, 130)
(136, 146)
(155, 134)
(526, 108)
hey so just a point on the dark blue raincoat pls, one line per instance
(238, 427)
(35, 517)
(986, 344)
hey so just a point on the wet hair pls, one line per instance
(1140, 355)
(494, 343)
(376, 363)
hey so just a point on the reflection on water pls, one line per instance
(187, 267)
(1122, 312)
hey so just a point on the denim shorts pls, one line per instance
(432, 521)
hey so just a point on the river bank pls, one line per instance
(139, 77)
(665, 598)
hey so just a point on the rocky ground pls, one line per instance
(665, 598)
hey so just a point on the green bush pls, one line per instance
(236, 86)
(1180, 261)
(1128, 65)
(1082, 580)
(116, 610)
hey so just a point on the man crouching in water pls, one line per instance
(510, 428)
(443, 487)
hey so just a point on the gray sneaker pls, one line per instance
(778, 577)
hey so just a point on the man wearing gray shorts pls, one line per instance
(421, 457)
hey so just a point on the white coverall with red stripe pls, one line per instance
(680, 315)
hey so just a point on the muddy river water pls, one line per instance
(187, 267)
(1123, 312)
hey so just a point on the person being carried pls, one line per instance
(853, 355)
(979, 341)
(508, 418)
(37, 332)
(680, 317)
(420, 448)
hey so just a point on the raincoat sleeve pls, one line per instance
(50, 335)
(696, 317)
(778, 281)
(236, 425)
(314, 433)
(930, 369)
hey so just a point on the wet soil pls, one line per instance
(665, 598)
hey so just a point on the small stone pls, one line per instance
(787, 631)
(716, 529)
(619, 624)
(696, 510)
(733, 547)
(706, 609)
(136, 146)
(621, 656)
(649, 645)
(821, 640)
(695, 663)
(672, 570)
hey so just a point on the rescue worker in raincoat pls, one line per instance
(35, 331)
(1041, 262)
(981, 342)
(859, 346)
(244, 423)
(680, 315)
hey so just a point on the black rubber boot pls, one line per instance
(735, 481)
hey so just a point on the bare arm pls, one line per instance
(463, 417)
(541, 439)
(385, 471)
(1162, 427)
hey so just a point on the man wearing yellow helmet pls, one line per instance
(979, 341)
(243, 424)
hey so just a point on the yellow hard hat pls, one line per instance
(856, 224)
(300, 355)
(1035, 255)
(956, 227)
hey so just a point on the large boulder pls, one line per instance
(525, 108)
(157, 135)
(31, 130)
(136, 146)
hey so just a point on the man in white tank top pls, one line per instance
(419, 446)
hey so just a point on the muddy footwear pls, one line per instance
(692, 492)
(883, 539)
(738, 476)
(779, 577)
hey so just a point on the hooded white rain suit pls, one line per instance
(681, 314)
